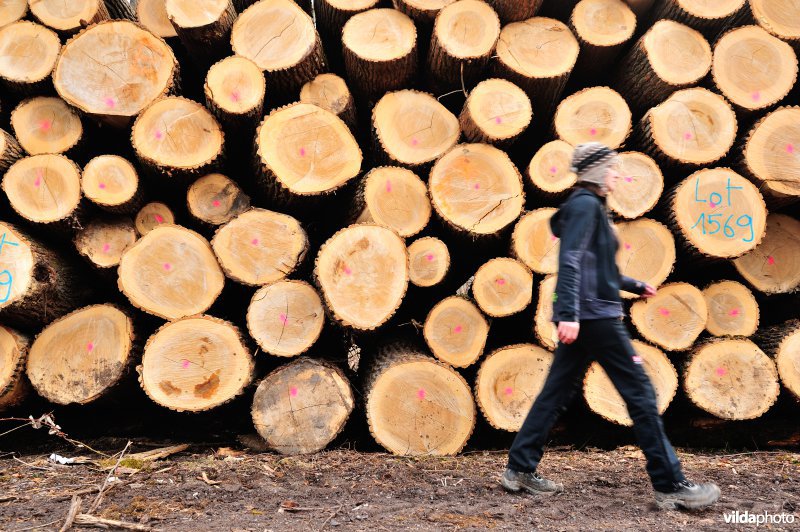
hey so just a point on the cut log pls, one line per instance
(709, 17)
(429, 261)
(731, 379)
(177, 139)
(330, 92)
(692, 128)
(640, 187)
(10, 151)
(753, 69)
(545, 329)
(716, 214)
(203, 28)
(412, 128)
(79, 357)
(260, 247)
(423, 12)
(538, 55)
(303, 154)
(646, 252)
(596, 114)
(732, 309)
(669, 57)
(195, 364)
(215, 200)
(456, 331)
(46, 125)
(534, 243)
(152, 14)
(332, 15)
(68, 17)
(496, 112)
(285, 318)
(549, 172)
(363, 273)
(14, 384)
(36, 285)
(767, 156)
(151, 216)
(776, 17)
(503, 287)
(12, 11)
(476, 190)
(773, 267)
(235, 89)
(464, 38)
(111, 183)
(171, 272)
(604, 399)
(103, 241)
(45, 189)
(603, 28)
(508, 382)
(301, 407)
(28, 53)
(279, 37)
(418, 406)
(515, 10)
(673, 318)
(145, 69)
(394, 197)
(782, 343)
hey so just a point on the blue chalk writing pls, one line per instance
(8, 281)
(4, 242)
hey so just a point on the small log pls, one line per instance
(112, 183)
(732, 309)
(716, 214)
(301, 407)
(412, 128)
(69, 17)
(10, 151)
(259, 247)
(603, 28)
(423, 12)
(79, 357)
(673, 318)
(332, 15)
(204, 29)
(515, 10)
(428, 260)
(120, 9)
(596, 114)
(690, 129)
(394, 197)
(456, 331)
(417, 406)
(103, 241)
(152, 14)
(550, 173)
(83, 79)
(46, 124)
(508, 382)
(464, 38)
(14, 385)
(646, 252)
(603, 398)
(380, 51)
(286, 318)
(545, 329)
(215, 200)
(780, 22)
(709, 17)
(28, 54)
(771, 267)
(753, 69)
(279, 37)
(177, 139)
(476, 190)
(669, 57)
(503, 287)
(496, 112)
(195, 364)
(235, 89)
(731, 379)
(45, 189)
(640, 187)
(782, 343)
(12, 11)
(151, 216)
(537, 55)
(171, 272)
(534, 243)
(330, 92)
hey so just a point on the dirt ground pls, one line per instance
(205, 488)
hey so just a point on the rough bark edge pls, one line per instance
(18, 386)
(770, 340)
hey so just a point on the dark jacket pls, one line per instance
(588, 278)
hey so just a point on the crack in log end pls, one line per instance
(169, 388)
(207, 388)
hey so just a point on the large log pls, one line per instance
(640, 187)
(550, 174)
(395, 197)
(12, 11)
(103, 241)
(332, 15)
(214, 199)
(603, 28)
(14, 385)
(46, 124)
(235, 89)
(773, 16)
(456, 331)
(595, 114)
(428, 261)
(503, 287)
(673, 318)
(534, 243)
(732, 309)
(204, 28)
(782, 343)
(68, 17)
(152, 14)
(330, 92)
(28, 54)
(771, 267)
(646, 251)
(496, 112)
(112, 183)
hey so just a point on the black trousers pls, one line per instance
(607, 341)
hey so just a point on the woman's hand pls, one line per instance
(568, 331)
(649, 291)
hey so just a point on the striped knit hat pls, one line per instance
(590, 162)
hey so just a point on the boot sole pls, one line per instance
(673, 503)
(516, 487)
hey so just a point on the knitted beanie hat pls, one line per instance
(590, 162)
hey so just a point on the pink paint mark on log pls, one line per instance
(476, 186)
(158, 134)
(420, 394)
(215, 203)
(629, 179)
(687, 136)
(498, 120)
(593, 132)
(106, 247)
(45, 125)
(293, 391)
(509, 391)
(388, 185)
(756, 96)
(553, 169)
(347, 270)
(457, 329)
(184, 363)
(712, 205)
(663, 312)
(770, 260)
(39, 176)
(90, 347)
(627, 246)
(429, 256)
(283, 318)
(734, 312)
(553, 238)
(302, 152)
(159, 219)
(236, 96)
(501, 281)
(167, 266)
(414, 142)
(254, 241)
(789, 148)
(102, 186)
(110, 103)
(721, 371)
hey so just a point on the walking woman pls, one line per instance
(587, 310)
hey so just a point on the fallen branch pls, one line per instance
(74, 508)
(99, 498)
(100, 522)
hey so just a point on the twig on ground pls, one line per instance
(100, 522)
(99, 498)
(37, 526)
(74, 508)
(30, 465)
(333, 514)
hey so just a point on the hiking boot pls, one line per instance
(530, 482)
(689, 496)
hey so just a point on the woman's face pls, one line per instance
(612, 176)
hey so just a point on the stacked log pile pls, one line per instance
(194, 192)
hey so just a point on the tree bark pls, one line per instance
(781, 342)
(14, 385)
(204, 30)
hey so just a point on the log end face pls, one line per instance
(456, 331)
(429, 261)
